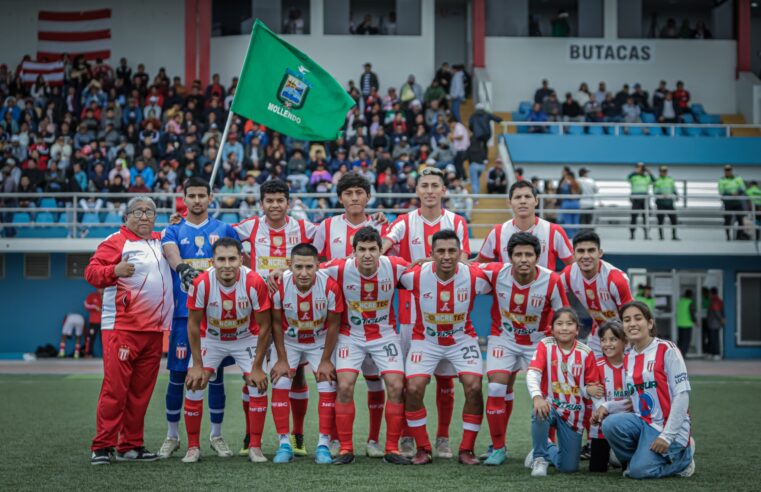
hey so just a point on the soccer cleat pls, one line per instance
(322, 455)
(193, 455)
(335, 447)
(689, 471)
(586, 452)
(468, 458)
(497, 457)
(61, 354)
(244, 450)
(284, 454)
(255, 455)
(341, 459)
(171, 444)
(396, 459)
(297, 443)
(101, 457)
(407, 447)
(539, 468)
(443, 450)
(374, 450)
(488, 452)
(528, 462)
(422, 457)
(137, 454)
(220, 447)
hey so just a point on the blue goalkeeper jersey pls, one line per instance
(194, 243)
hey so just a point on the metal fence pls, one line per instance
(620, 128)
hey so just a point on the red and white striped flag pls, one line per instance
(52, 72)
(85, 33)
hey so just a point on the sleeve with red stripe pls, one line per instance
(335, 297)
(100, 272)
(397, 230)
(462, 230)
(489, 248)
(618, 285)
(561, 245)
(258, 292)
(197, 295)
(558, 297)
(539, 360)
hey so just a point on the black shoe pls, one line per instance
(396, 459)
(344, 459)
(586, 452)
(674, 238)
(101, 457)
(137, 454)
(246, 441)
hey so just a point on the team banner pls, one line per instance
(283, 89)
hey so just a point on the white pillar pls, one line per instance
(610, 19)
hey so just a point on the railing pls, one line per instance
(622, 128)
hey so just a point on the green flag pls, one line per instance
(283, 89)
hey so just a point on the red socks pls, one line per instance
(327, 413)
(193, 414)
(497, 418)
(416, 421)
(244, 397)
(471, 424)
(299, 403)
(394, 423)
(375, 402)
(345, 413)
(444, 404)
(281, 410)
(257, 413)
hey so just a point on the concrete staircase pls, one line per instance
(739, 119)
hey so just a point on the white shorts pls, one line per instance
(424, 357)
(305, 353)
(386, 353)
(445, 368)
(73, 323)
(213, 351)
(505, 356)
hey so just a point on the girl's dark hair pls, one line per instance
(568, 311)
(615, 327)
(642, 308)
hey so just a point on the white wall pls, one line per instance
(749, 97)
(517, 65)
(144, 31)
(393, 57)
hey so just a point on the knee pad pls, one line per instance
(497, 389)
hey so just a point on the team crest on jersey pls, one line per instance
(181, 351)
(199, 242)
(343, 351)
(445, 296)
(576, 370)
(650, 365)
(519, 298)
(536, 301)
(227, 304)
(304, 306)
(590, 294)
(277, 241)
(293, 238)
(462, 295)
(368, 287)
(123, 352)
(605, 296)
(416, 357)
(242, 303)
(498, 352)
(386, 286)
(320, 304)
(213, 238)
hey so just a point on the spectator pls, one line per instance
(754, 192)
(685, 321)
(410, 91)
(622, 96)
(139, 186)
(682, 98)
(669, 31)
(659, 95)
(537, 115)
(433, 113)
(610, 110)
(295, 23)
(389, 26)
(571, 110)
(497, 179)
(296, 170)
(443, 155)
(232, 188)
(588, 189)
(560, 26)
(444, 76)
(701, 31)
(583, 94)
(215, 88)
(685, 31)
(367, 80)
(457, 90)
(568, 186)
(543, 92)
(459, 201)
(551, 107)
(593, 110)
(232, 145)
(480, 124)
(476, 156)
(460, 138)
(631, 112)
(145, 172)
(434, 93)
(641, 97)
(668, 110)
(715, 323)
(601, 92)
(365, 27)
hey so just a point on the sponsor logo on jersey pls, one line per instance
(428, 295)
(184, 241)
(645, 405)
(416, 357)
(537, 301)
(445, 296)
(565, 389)
(416, 241)
(181, 351)
(262, 239)
(320, 304)
(338, 240)
(227, 306)
(462, 295)
(680, 378)
(502, 295)
(123, 353)
(199, 241)
(343, 352)
(642, 387)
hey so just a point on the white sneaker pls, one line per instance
(613, 460)
(171, 444)
(374, 450)
(255, 455)
(539, 468)
(192, 456)
(689, 471)
(529, 461)
(443, 450)
(220, 447)
(407, 447)
(335, 447)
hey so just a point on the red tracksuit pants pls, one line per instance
(131, 361)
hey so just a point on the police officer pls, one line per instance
(665, 193)
(685, 321)
(640, 181)
(730, 188)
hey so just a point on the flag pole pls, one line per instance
(218, 159)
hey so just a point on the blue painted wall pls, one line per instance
(596, 149)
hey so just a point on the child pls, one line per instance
(613, 394)
(557, 378)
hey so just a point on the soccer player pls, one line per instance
(94, 306)
(73, 326)
(557, 378)
(333, 238)
(187, 247)
(272, 237)
(307, 307)
(227, 305)
(654, 440)
(525, 296)
(367, 283)
(444, 291)
(552, 238)
(599, 286)
(412, 233)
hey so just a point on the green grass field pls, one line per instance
(48, 421)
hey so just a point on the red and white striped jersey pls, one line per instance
(653, 378)
(613, 380)
(522, 313)
(552, 237)
(444, 307)
(412, 234)
(369, 313)
(270, 248)
(229, 311)
(333, 236)
(602, 296)
(305, 313)
(564, 376)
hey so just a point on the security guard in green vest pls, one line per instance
(645, 295)
(665, 193)
(730, 188)
(640, 181)
(685, 321)
(754, 192)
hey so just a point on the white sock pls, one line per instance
(216, 429)
(285, 439)
(324, 440)
(173, 430)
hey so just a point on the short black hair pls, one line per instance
(352, 180)
(196, 182)
(520, 184)
(226, 242)
(586, 236)
(274, 186)
(443, 235)
(304, 249)
(523, 239)
(365, 235)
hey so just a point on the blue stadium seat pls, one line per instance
(48, 203)
(229, 218)
(596, 130)
(525, 107)
(90, 218)
(21, 218)
(687, 118)
(113, 218)
(697, 109)
(647, 117)
(635, 130)
(162, 220)
(555, 129)
(101, 231)
(575, 130)
(714, 132)
(46, 232)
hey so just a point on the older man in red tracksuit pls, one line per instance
(137, 307)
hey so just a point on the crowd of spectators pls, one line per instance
(109, 130)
